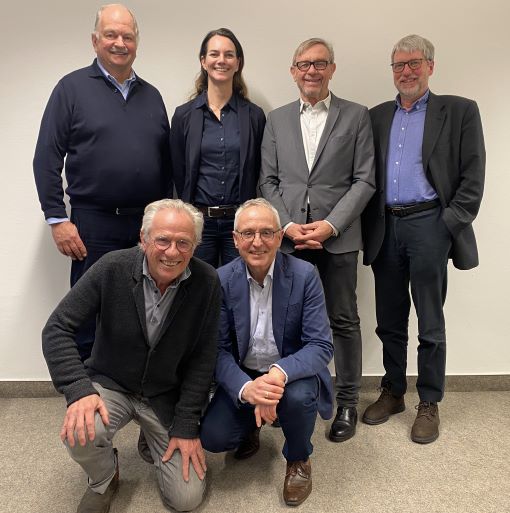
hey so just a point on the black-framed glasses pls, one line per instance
(413, 64)
(305, 65)
(265, 234)
(182, 245)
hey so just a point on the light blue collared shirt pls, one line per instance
(158, 305)
(123, 88)
(406, 182)
(262, 351)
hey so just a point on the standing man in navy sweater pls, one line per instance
(112, 130)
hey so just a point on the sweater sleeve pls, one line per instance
(50, 152)
(66, 369)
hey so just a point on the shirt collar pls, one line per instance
(269, 275)
(419, 104)
(184, 276)
(323, 104)
(130, 80)
(201, 102)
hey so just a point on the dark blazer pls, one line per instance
(453, 155)
(175, 374)
(300, 326)
(186, 139)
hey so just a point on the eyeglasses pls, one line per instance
(182, 245)
(305, 65)
(266, 234)
(413, 64)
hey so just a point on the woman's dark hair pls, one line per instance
(239, 86)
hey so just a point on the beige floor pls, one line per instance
(467, 470)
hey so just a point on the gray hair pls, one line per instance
(312, 42)
(414, 43)
(100, 12)
(257, 202)
(174, 204)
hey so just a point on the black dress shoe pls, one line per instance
(249, 446)
(344, 425)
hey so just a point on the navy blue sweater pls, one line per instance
(116, 151)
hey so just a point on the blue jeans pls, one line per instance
(225, 425)
(217, 247)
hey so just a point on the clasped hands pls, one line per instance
(79, 423)
(309, 236)
(265, 393)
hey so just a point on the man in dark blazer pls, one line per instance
(430, 162)
(318, 172)
(274, 349)
(157, 312)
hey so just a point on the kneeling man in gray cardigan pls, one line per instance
(157, 312)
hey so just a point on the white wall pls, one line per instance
(42, 41)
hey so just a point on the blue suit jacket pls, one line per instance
(300, 326)
(186, 139)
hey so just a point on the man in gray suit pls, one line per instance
(430, 161)
(318, 171)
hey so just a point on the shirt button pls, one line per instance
(403, 128)
(221, 139)
(396, 162)
(394, 181)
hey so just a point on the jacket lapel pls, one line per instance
(384, 124)
(239, 298)
(244, 134)
(334, 112)
(434, 121)
(282, 285)
(138, 294)
(194, 143)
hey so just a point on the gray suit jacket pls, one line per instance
(342, 178)
(453, 155)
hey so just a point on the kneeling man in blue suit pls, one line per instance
(274, 348)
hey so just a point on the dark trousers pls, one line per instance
(101, 232)
(339, 275)
(217, 246)
(225, 424)
(414, 251)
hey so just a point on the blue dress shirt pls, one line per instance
(218, 179)
(406, 182)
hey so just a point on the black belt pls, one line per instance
(219, 211)
(405, 210)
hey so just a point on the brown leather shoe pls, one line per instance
(298, 482)
(93, 502)
(426, 426)
(386, 405)
(249, 446)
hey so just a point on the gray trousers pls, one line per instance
(98, 460)
(339, 276)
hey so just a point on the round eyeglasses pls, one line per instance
(266, 234)
(182, 245)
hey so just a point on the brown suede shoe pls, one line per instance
(249, 446)
(93, 502)
(386, 405)
(298, 482)
(426, 426)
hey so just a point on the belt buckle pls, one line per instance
(209, 209)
